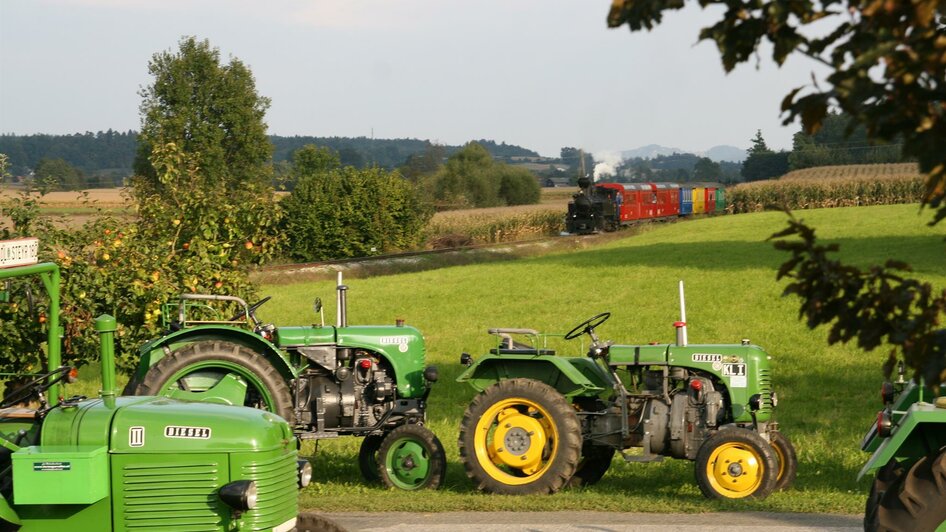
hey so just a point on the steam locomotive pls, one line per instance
(608, 206)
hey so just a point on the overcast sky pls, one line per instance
(539, 73)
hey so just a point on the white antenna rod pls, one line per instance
(338, 301)
(682, 324)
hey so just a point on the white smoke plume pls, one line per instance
(608, 162)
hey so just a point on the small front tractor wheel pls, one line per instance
(411, 458)
(735, 463)
(595, 462)
(520, 436)
(914, 500)
(216, 371)
(787, 460)
(368, 457)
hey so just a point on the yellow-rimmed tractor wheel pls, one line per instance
(787, 460)
(520, 436)
(735, 463)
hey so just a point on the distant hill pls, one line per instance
(726, 153)
(716, 153)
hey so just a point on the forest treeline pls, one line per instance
(106, 158)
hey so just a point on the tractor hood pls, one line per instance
(161, 425)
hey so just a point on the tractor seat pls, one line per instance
(17, 412)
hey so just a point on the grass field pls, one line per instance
(828, 395)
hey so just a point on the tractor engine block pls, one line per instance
(343, 389)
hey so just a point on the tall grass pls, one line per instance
(487, 226)
(827, 394)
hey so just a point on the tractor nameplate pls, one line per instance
(19, 252)
(52, 466)
(704, 357)
(194, 433)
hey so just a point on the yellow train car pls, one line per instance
(699, 200)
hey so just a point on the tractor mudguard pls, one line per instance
(571, 376)
(922, 430)
(155, 350)
(7, 513)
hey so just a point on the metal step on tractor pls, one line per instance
(908, 460)
(123, 463)
(542, 422)
(327, 381)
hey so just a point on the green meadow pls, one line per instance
(828, 395)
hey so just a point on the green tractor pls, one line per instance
(142, 463)
(327, 381)
(542, 422)
(908, 461)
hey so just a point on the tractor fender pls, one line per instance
(153, 351)
(7, 513)
(920, 431)
(571, 376)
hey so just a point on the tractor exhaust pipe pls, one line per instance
(681, 325)
(341, 300)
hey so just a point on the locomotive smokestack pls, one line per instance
(341, 306)
(681, 325)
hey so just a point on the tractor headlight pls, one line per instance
(240, 495)
(884, 424)
(305, 472)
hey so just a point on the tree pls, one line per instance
(471, 178)
(350, 212)
(885, 58)
(887, 73)
(58, 171)
(758, 144)
(210, 111)
(707, 170)
(763, 163)
(425, 163)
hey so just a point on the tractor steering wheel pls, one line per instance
(250, 311)
(36, 386)
(588, 326)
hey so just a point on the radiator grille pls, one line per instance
(765, 388)
(172, 496)
(276, 484)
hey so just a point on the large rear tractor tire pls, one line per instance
(520, 436)
(916, 500)
(736, 463)
(219, 372)
(411, 458)
(787, 460)
(884, 478)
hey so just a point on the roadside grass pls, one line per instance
(828, 394)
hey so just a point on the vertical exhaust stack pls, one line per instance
(681, 325)
(341, 306)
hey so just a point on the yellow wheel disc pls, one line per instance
(515, 441)
(735, 470)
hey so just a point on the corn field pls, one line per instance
(831, 186)
(488, 226)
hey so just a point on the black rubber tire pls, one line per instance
(914, 500)
(313, 522)
(787, 460)
(431, 451)
(761, 465)
(885, 476)
(560, 458)
(155, 382)
(368, 458)
(595, 462)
